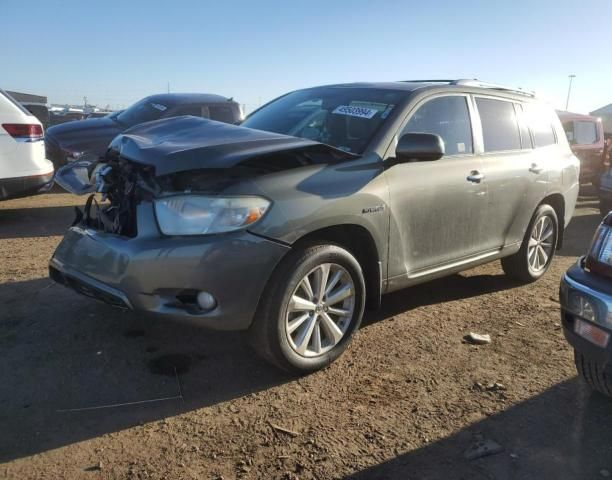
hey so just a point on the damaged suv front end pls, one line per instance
(167, 233)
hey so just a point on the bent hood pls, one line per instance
(92, 135)
(190, 143)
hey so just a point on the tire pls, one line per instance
(519, 266)
(595, 375)
(604, 207)
(277, 313)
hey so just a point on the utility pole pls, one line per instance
(569, 90)
(168, 87)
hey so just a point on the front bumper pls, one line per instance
(153, 274)
(24, 186)
(598, 291)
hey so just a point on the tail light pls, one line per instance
(24, 131)
(599, 258)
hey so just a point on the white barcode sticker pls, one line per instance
(359, 112)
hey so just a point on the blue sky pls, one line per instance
(117, 52)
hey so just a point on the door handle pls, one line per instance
(475, 176)
(535, 168)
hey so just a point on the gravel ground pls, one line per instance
(90, 392)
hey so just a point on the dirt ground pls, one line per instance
(90, 392)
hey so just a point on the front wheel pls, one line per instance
(596, 376)
(312, 305)
(538, 247)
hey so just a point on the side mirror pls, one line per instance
(419, 147)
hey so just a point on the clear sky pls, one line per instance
(115, 52)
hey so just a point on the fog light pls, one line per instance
(206, 301)
(591, 333)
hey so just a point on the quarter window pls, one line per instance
(499, 126)
(448, 117)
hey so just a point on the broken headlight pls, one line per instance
(200, 215)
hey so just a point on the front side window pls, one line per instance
(343, 117)
(540, 122)
(195, 110)
(500, 130)
(447, 117)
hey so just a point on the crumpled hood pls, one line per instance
(190, 143)
(92, 135)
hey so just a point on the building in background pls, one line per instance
(605, 113)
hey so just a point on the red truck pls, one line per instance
(586, 138)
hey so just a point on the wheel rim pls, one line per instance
(320, 310)
(541, 244)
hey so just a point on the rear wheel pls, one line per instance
(596, 376)
(312, 305)
(538, 247)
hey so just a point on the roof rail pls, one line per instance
(474, 82)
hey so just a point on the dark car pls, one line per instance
(586, 310)
(586, 138)
(318, 202)
(69, 141)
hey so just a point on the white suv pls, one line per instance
(24, 170)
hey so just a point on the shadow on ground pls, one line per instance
(35, 222)
(62, 352)
(563, 433)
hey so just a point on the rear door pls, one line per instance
(515, 165)
(436, 206)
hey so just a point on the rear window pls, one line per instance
(499, 126)
(15, 102)
(540, 121)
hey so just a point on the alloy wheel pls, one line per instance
(541, 245)
(320, 310)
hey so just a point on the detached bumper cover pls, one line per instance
(599, 291)
(149, 274)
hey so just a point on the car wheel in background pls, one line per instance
(538, 247)
(597, 377)
(310, 309)
(604, 206)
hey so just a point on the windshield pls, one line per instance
(145, 110)
(343, 117)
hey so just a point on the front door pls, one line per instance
(437, 207)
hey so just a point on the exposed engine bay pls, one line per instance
(175, 156)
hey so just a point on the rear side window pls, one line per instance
(541, 124)
(585, 133)
(221, 114)
(448, 117)
(500, 129)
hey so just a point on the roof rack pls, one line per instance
(474, 82)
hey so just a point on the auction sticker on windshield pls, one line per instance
(360, 112)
